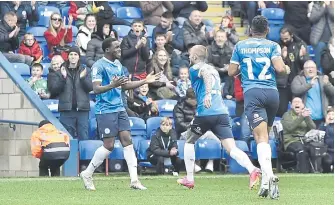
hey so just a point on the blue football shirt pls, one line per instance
(254, 57)
(104, 71)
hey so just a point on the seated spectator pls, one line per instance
(219, 53)
(297, 122)
(174, 34)
(153, 10)
(54, 73)
(106, 14)
(9, 40)
(84, 33)
(30, 47)
(315, 90)
(79, 9)
(322, 18)
(163, 89)
(37, 83)
(142, 103)
(195, 31)
(58, 36)
(327, 60)
(94, 47)
(135, 51)
(227, 25)
(73, 83)
(44, 143)
(328, 127)
(163, 146)
(296, 16)
(26, 12)
(294, 53)
(183, 83)
(183, 9)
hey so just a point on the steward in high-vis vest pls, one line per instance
(51, 146)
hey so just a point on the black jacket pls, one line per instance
(193, 34)
(131, 58)
(156, 144)
(183, 114)
(185, 8)
(64, 89)
(327, 63)
(7, 44)
(140, 107)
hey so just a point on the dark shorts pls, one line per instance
(218, 124)
(110, 124)
(261, 105)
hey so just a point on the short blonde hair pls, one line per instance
(166, 120)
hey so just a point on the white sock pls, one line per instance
(264, 159)
(210, 165)
(99, 156)
(130, 157)
(189, 158)
(242, 158)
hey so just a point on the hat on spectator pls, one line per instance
(74, 49)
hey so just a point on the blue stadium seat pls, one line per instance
(44, 13)
(231, 105)
(92, 129)
(129, 13)
(65, 11)
(153, 123)
(181, 145)
(122, 30)
(150, 30)
(136, 142)
(117, 152)
(46, 67)
(165, 107)
(142, 153)
(45, 51)
(253, 149)
(234, 167)
(236, 128)
(87, 148)
(38, 33)
(114, 6)
(275, 17)
(52, 104)
(207, 149)
(22, 69)
(74, 32)
(137, 127)
(311, 52)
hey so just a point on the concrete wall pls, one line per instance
(15, 154)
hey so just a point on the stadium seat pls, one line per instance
(121, 30)
(65, 11)
(22, 69)
(44, 13)
(236, 128)
(150, 30)
(153, 124)
(74, 32)
(207, 149)
(45, 51)
(114, 6)
(231, 105)
(311, 52)
(52, 104)
(129, 13)
(275, 17)
(181, 145)
(87, 148)
(234, 167)
(117, 152)
(253, 149)
(46, 67)
(137, 127)
(38, 33)
(165, 107)
(142, 154)
(92, 129)
(136, 142)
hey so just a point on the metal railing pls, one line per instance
(13, 123)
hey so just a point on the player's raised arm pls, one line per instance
(151, 78)
(117, 82)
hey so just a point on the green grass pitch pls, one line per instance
(209, 189)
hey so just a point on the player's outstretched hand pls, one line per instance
(151, 78)
(208, 101)
(117, 82)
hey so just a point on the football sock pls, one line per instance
(130, 157)
(264, 159)
(189, 158)
(242, 158)
(99, 156)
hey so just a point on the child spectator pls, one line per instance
(227, 26)
(58, 35)
(37, 83)
(143, 104)
(183, 82)
(161, 43)
(84, 33)
(30, 47)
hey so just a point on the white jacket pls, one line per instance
(83, 37)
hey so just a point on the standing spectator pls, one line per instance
(183, 9)
(164, 145)
(163, 89)
(51, 146)
(73, 83)
(37, 83)
(153, 10)
(315, 90)
(174, 34)
(296, 16)
(297, 122)
(136, 50)
(54, 73)
(327, 60)
(84, 33)
(30, 47)
(26, 12)
(195, 31)
(219, 53)
(184, 82)
(58, 35)
(322, 19)
(328, 127)
(9, 40)
(227, 25)
(294, 53)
